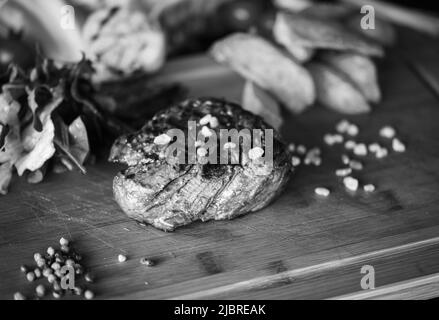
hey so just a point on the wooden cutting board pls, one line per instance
(299, 247)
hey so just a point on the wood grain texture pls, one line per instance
(299, 247)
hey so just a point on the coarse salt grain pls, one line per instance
(88, 295)
(147, 262)
(40, 290)
(162, 139)
(38, 256)
(369, 188)
(387, 132)
(351, 183)
(314, 152)
(213, 122)
(313, 157)
(255, 153)
(301, 149)
(353, 130)
(201, 152)
(198, 143)
(381, 153)
(291, 147)
(47, 272)
(205, 131)
(331, 139)
(342, 126)
(63, 242)
(205, 120)
(37, 273)
(397, 145)
(345, 159)
(374, 147)
(55, 266)
(30, 276)
(50, 251)
(295, 161)
(121, 258)
(356, 165)
(343, 172)
(51, 278)
(360, 149)
(324, 192)
(350, 144)
(19, 296)
(229, 145)
(317, 161)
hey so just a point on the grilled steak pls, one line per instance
(167, 195)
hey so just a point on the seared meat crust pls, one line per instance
(167, 195)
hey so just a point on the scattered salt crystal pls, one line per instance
(397, 145)
(345, 159)
(30, 276)
(205, 120)
(313, 157)
(356, 165)
(331, 139)
(369, 188)
(19, 296)
(40, 290)
(121, 258)
(295, 161)
(337, 138)
(381, 153)
(50, 251)
(301, 149)
(291, 147)
(314, 152)
(374, 147)
(360, 149)
(324, 192)
(255, 153)
(208, 119)
(342, 126)
(351, 183)
(162, 139)
(198, 143)
(201, 152)
(327, 138)
(353, 130)
(88, 295)
(214, 122)
(387, 132)
(343, 172)
(63, 242)
(229, 145)
(350, 144)
(317, 161)
(205, 131)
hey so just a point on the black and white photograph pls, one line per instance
(219, 154)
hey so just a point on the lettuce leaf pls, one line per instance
(5, 177)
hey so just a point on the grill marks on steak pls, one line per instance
(168, 196)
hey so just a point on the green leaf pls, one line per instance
(79, 147)
(43, 149)
(5, 177)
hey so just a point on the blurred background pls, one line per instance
(187, 26)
